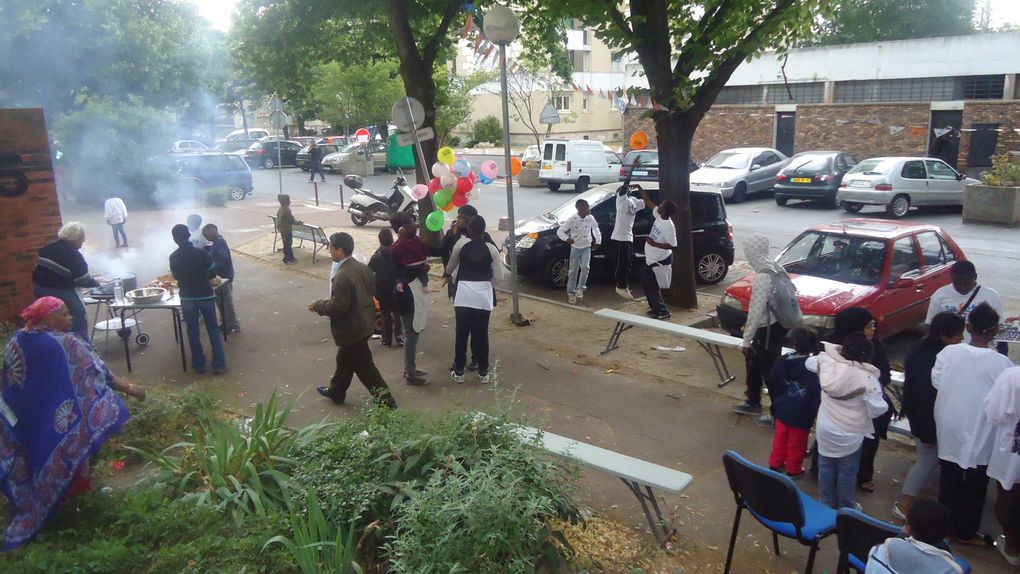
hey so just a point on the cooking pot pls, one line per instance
(106, 284)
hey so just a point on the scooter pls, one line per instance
(368, 206)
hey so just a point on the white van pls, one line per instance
(580, 163)
(253, 134)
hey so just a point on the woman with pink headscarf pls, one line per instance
(57, 408)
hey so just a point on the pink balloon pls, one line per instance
(460, 199)
(419, 191)
(464, 186)
(489, 169)
(435, 185)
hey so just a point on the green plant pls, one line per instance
(162, 418)
(217, 196)
(318, 545)
(235, 466)
(1005, 172)
(488, 129)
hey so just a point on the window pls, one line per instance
(562, 102)
(706, 208)
(982, 87)
(913, 170)
(939, 170)
(921, 89)
(586, 104)
(617, 62)
(548, 152)
(561, 152)
(765, 158)
(904, 259)
(839, 257)
(740, 95)
(612, 158)
(234, 163)
(933, 250)
(803, 93)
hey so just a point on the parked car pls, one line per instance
(649, 168)
(542, 254)
(232, 146)
(195, 171)
(331, 162)
(266, 154)
(532, 153)
(302, 156)
(739, 171)
(577, 162)
(888, 267)
(901, 182)
(182, 146)
(251, 134)
(814, 176)
(305, 140)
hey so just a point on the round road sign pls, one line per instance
(362, 136)
(408, 114)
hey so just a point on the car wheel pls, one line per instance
(553, 185)
(899, 206)
(237, 193)
(359, 220)
(268, 163)
(557, 270)
(832, 202)
(781, 201)
(851, 206)
(739, 193)
(711, 268)
(581, 185)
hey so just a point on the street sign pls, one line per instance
(362, 136)
(276, 104)
(408, 114)
(424, 134)
(278, 119)
(549, 114)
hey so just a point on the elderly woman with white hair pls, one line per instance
(61, 270)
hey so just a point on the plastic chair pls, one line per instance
(857, 533)
(778, 504)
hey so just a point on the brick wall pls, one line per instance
(733, 126)
(30, 220)
(1004, 113)
(864, 130)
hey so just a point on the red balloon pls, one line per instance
(460, 199)
(435, 185)
(473, 177)
(464, 186)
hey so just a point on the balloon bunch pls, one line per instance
(452, 185)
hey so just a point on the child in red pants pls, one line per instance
(796, 395)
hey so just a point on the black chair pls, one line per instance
(778, 504)
(857, 533)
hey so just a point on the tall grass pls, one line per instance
(318, 545)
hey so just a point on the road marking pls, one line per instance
(244, 230)
(319, 207)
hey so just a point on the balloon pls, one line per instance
(435, 185)
(489, 169)
(439, 169)
(464, 185)
(484, 179)
(639, 140)
(443, 197)
(473, 177)
(460, 199)
(419, 191)
(475, 194)
(461, 167)
(449, 180)
(449, 206)
(434, 221)
(446, 155)
(515, 166)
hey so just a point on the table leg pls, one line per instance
(180, 329)
(658, 524)
(723, 371)
(122, 333)
(614, 339)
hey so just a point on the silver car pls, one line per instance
(739, 171)
(331, 162)
(897, 183)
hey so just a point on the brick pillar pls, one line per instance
(29, 209)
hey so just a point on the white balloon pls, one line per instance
(448, 179)
(474, 194)
(439, 169)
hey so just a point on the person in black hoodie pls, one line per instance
(796, 395)
(381, 264)
(919, 406)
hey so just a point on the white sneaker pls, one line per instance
(625, 293)
(484, 379)
(580, 294)
(572, 299)
(457, 378)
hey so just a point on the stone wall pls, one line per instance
(29, 209)
(865, 130)
(1004, 113)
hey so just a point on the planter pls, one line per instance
(987, 204)
(529, 178)
(357, 167)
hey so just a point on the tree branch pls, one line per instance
(621, 23)
(432, 47)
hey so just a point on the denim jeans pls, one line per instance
(925, 471)
(207, 310)
(79, 316)
(837, 480)
(410, 344)
(580, 260)
(118, 232)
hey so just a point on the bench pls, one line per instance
(640, 476)
(305, 232)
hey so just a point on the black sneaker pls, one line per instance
(324, 391)
(663, 316)
(747, 409)
(472, 366)
(415, 380)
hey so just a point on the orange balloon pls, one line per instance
(515, 166)
(448, 206)
(639, 140)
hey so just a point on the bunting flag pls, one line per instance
(469, 25)
(590, 91)
(893, 130)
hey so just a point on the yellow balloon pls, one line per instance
(446, 155)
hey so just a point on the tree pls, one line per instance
(454, 100)
(879, 20)
(688, 49)
(357, 95)
(488, 129)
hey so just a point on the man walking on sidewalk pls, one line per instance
(578, 231)
(315, 163)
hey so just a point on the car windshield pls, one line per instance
(647, 157)
(809, 164)
(350, 147)
(872, 167)
(729, 160)
(593, 196)
(836, 256)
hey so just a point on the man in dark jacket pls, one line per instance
(193, 267)
(285, 226)
(61, 270)
(315, 163)
(381, 265)
(351, 313)
(223, 266)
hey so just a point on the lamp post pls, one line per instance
(501, 27)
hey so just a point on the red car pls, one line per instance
(888, 267)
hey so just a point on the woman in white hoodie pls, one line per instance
(851, 397)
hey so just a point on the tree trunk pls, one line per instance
(674, 140)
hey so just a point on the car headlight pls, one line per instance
(827, 322)
(731, 302)
(527, 241)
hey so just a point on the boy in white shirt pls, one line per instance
(1002, 407)
(963, 295)
(578, 231)
(116, 214)
(659, 245)
(963, 375)
(627, 207)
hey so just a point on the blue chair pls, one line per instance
(774, 500)
(857, 533)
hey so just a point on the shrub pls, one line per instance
(163, 418)
(217, 196)
(488, 129)
(318, 545)
(1005, 172)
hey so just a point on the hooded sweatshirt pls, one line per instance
(284, 217)
(756, 250)
(844, 418)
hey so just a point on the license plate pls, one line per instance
(801, 180)
(857, 183)
(639, 172)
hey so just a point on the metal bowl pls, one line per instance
(146, 296)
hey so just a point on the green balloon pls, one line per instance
(443, 197)
(435, 221)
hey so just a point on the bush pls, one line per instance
(1004, 173)
(216, 196)
(161, 419)
(488, 129)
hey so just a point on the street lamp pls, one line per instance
(501, 27)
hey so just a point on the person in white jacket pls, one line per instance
(1002, 408)
(116, 214)
(851, 397)
(581, 232)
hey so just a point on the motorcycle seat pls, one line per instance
(375, 196)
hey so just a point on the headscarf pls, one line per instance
(181, 234)
(850, 320)
(40, 309)
(756, 250)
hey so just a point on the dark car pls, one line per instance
(541, 253)
(649, 168)
(814, 176)
(181, 173)
(302, 156)
(266, 153)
